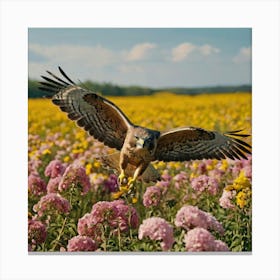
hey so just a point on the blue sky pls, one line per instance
(154, 57)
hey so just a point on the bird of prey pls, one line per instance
(138, 145)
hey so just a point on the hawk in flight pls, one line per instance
(138, 146)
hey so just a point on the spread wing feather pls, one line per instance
(97, 115)
(189, 143)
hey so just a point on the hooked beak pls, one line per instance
(140, 143)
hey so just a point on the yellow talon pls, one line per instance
(117, 195)
(131, 181)
(124, 188)
(121, 177)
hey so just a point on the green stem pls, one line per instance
(119, 238)
(59, 234)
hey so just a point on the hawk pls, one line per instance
(138, 145)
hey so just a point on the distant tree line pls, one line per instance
(110, 89)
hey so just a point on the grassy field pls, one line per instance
(197, 206)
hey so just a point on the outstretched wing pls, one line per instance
(97, 115)
(190, 143)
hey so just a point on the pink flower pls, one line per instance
(157, 229)
(152, 196)
(204, 182)
(52, 186)
(88, 228)
(199, 239)
(127, 216)
(216, 173)
(226, 199)
(180, 179)
(163, 185)
(212, 185)
(33, 165)
(202, 167)
(237, 167)
(248, 171)
(52, 203)
(111, 184)
(199, 183)
(189, 217)
(81, 243)
(37, 232)
(220, 246)
(54, 169)
(114, 215)
(165, 176)
(36, 185)
(74, 175)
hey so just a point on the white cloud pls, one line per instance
(208, 49)
(244, 55)
(182, 51)
(139, 51)
(95, 58)
(98, 55)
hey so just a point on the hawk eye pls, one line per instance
(136, 137)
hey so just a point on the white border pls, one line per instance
(262, 16)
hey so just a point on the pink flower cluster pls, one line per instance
(54, 169)
(200, 239)
(36, 186)
(189, 217)
(180, 179)
(52, 203)
(37, 232)
(204, 182)
(74, 175)
(111, 184)
(226, 199)
(81, 243)
(157, 229)
(152, 196)
(114, 215)
(52, 186)
(245, 165)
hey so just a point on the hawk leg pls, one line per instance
(138, 172)
(123, 166)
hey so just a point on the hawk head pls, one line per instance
(143, 138)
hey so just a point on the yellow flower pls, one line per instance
(174, 165)
(195, 165)
(66, 159)
(77, 151)
(88, 168)
(96, 164)
(241, 199)
(160, 165)
(134, 200)
(224, 165)
(193, 175)
(46, 152)
(229, 188)
(241, 182)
